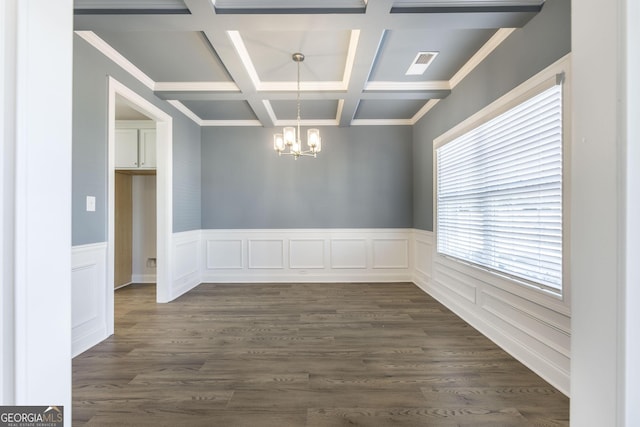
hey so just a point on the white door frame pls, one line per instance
(36, 68)
(164, 203)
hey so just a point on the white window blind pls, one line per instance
(499, 192)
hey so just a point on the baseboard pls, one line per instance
(143, 278)
(84, 343)
(307, 278)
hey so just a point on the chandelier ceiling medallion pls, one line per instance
(290, 139)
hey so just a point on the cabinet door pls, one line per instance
(126, 148)
(148, 148)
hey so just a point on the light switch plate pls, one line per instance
(91, 204)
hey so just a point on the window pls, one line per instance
(499, 191)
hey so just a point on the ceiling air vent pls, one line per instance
(420, 63)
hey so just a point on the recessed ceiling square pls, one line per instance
(150, 5)
(221, 110)
(400, 47)
(325, 54)
(289, 5)
(162, 55)
(464, 3)
(392, 109)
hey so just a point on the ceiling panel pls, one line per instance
(289, 4)
(162, 55)
(399, 48)
(221, 110)
(325, 54)
(309, 109)
(130, 4)
(231, 59)
(394, 109)
(464, 3)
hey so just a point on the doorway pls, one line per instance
(135, 227)
(123, 96)
(135, 197)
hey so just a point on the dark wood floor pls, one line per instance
(303, 355)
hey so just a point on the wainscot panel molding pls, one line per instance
(533, 326)
(307, 255)
(88, 296)
(422, 250)
(187, 261)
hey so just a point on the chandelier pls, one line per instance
(289, 138)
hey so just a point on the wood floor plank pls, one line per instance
(335, 354)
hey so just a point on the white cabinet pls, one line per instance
(126, 148)
(147, 148)
(135, 148)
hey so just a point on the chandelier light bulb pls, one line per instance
(278, 142)
(289, 135)
(313, 138)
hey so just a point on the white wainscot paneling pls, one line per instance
(88, 296)
(451, 278)
(267, 254)
(348, 253)
(306, 253)
(546, 332)
(224, 254)
(423, 253)
(186, 259)
(531, 325)
(391, 253)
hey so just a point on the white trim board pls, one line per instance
(164, 189)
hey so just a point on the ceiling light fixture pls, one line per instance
(289, 139)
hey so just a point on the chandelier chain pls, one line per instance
(289, 142)
(298, 101)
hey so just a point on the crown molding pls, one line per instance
(424, 110)
(105, 48)
(481, 55)
(186, 111)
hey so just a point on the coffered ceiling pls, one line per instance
(228, 62)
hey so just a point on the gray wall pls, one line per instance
(89, 175)
(362, 179)
(545, 39)
(187, 209)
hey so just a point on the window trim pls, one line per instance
(529, 88)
